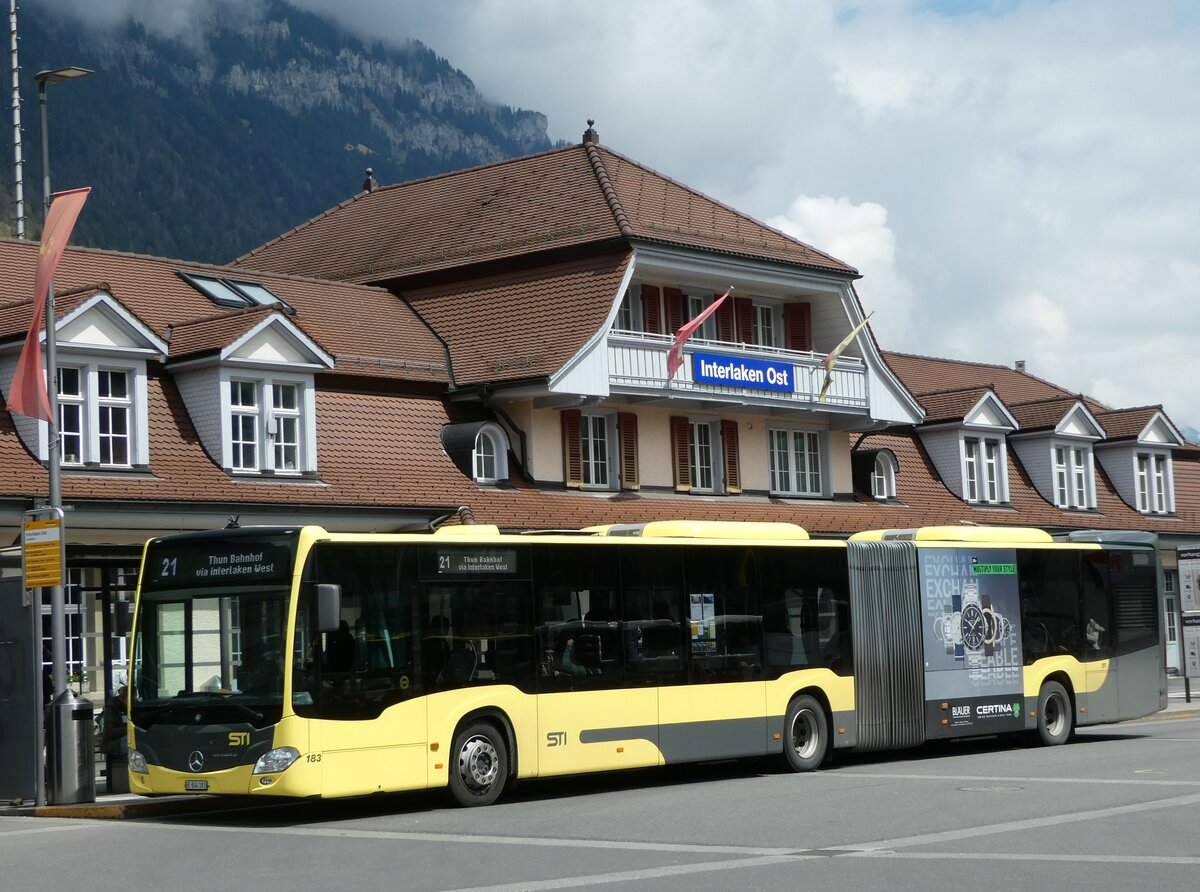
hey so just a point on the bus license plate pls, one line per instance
(196, 785)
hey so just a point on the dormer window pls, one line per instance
(984, 462)
(883, 477)
(1153, 490)
(1073, 477)
(490, 456)
(96, 408)
(265, 429)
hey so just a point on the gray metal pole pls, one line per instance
(58, 612)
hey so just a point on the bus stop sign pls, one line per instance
(43, 551)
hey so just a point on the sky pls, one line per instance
(1014, 180)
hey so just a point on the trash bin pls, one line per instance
(70, 757)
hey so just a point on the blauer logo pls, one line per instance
(731, 371)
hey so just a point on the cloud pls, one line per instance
(846, 230)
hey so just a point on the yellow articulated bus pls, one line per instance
(275, 661)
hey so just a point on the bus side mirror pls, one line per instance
(329, 607)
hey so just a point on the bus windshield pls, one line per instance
(211, 632)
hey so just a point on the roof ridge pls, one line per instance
(1155, 406)
(187, 265)
(233, 313)
(606, 187)
(1049, 399)
(740, 214)
(949, 390)
(358, 196)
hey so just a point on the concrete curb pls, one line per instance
(138, 807)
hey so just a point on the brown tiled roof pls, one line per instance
(214, 333)
(1043, 414)
(522, 325)
(925, 374)
(564, 199)
(367, 330)
(1126, 424)
(950, 405)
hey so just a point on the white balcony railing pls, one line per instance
(637, 363)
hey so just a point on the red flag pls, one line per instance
(685, 331)
(27, 394)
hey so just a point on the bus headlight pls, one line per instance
(137, 762)
(276, 760)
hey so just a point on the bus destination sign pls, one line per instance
(171, 563)
(469, 562)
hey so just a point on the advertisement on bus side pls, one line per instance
(972, 639)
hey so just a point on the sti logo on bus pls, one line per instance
(556, 738)
(239, 738)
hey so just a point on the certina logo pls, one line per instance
(1002, 710)
(196, 760)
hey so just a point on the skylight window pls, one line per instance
(235, 293)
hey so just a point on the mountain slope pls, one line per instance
(202, 152)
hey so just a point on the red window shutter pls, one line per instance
(743, 311)
(725, 321)
(729, 444)
(627, 435)
(797, 323)
(673, 298)
(651, 312)
(572, 448)
(681, 454)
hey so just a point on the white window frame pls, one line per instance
(984, 459)
(72, 402)
(114, 406)
(693, 305)
(627, 318)
(768, 314)
(704, 454)
(268, 421)
(789, 480)
(1153, 483)
(493, 435)
(883, 477)
(598, 429)
(284, 423)
(89, 403)
(1074, 475)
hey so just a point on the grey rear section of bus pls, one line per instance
(889, 664)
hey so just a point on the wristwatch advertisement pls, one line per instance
(972, 637)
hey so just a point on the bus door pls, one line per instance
(1094, 639)
(358, 682)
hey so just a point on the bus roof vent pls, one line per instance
(707, 529)
(468, 530)
(989, 534)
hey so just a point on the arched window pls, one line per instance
(883, 477)
(490, 456)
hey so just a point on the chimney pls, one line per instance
(1020, 366)
(370, 184)
(590, 136)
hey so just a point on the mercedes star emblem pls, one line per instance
(196, 760)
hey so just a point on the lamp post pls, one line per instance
(58, 619)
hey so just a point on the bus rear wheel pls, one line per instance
(1054, 718)
(480, 768)
(805, 734)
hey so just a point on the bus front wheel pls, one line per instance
(805, 734)
(480, 767)
(1054, 714)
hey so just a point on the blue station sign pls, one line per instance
(731, 371)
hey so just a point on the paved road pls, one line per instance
(1119, 807)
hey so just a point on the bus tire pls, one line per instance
(805, 734)
(1054, 718)
(479, 768)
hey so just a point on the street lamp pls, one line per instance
(58, 623)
